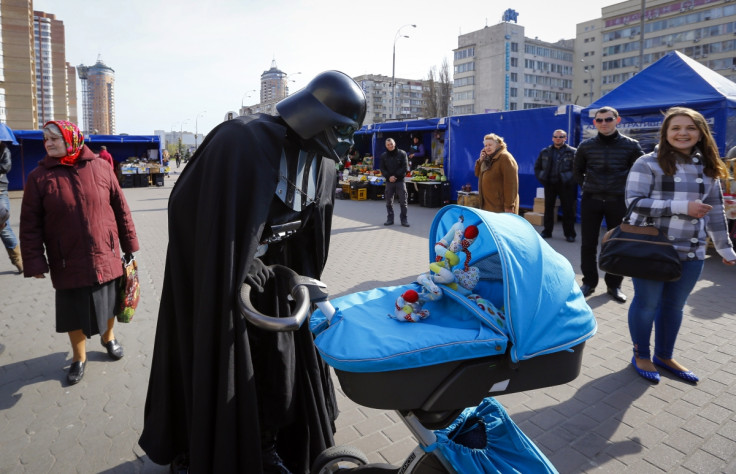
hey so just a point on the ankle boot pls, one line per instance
(15, 258)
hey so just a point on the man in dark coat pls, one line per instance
(554, 169)
(225, 396)
(394, 166)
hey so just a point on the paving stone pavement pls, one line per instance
(606, 420)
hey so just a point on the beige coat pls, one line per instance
(498, 182)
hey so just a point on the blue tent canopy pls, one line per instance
(673, 80)
(28, 150)
(6, 134)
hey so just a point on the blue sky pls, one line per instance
(174, 60)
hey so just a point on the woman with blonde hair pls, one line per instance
(678, 191)
(498, 176)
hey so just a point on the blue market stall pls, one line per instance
(28, 150)
(525, 132)
(673, 80)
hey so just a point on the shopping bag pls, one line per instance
(639, 252)
(485, 440)
(130, 290)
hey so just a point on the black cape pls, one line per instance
(217, 382)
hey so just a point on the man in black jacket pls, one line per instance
(553, 169)
(602, 164)
(394, 166)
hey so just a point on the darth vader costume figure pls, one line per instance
(223, 395)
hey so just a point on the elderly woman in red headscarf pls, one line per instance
(72, 216)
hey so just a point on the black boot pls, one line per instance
(272, 462)
(180, 464)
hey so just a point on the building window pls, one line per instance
(465, 53)
(465, 67)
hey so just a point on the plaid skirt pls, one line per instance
(87, 308)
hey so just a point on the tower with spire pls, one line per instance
(274, 84)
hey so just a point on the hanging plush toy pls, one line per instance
(409, 307)
(457, 239)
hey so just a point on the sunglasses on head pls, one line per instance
(607, 120)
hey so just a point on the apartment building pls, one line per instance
(633, 34)
(36, 82)
(54, 84)
(98, 98)
(408, 96)
(498, 68)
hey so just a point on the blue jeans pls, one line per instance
(8, 237)
(660, 304)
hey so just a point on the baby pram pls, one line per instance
(513, 319)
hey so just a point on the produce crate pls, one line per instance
(376, 192)
(359, 194)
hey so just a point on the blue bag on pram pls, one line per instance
(529, 331)
(484, 440)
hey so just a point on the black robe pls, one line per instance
(216, 382)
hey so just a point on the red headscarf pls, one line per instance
(73, 139)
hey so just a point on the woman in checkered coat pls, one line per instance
(679, 183)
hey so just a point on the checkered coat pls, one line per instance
(665, 205)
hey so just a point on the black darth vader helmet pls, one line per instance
(326, 113)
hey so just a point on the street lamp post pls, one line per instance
(393, 70)
(195, 128)
(289, 79)
(181, 131)
(247, 94)
(172, 134)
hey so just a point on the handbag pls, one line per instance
(130, 290)
(639, 252)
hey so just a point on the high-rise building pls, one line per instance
(274, 87)
(52, 72)
(17, 72)
(274, 84)
(498, 68)
(98, 98)
(36, 82)
(633, 34)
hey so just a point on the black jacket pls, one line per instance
(602, 163)
(5, 165)
(544, 162)
(394, 163)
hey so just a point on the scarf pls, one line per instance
(73, 139)
(485, 165)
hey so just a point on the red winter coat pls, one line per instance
(105, 155)
(78, 213)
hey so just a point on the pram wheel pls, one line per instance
(337, 459)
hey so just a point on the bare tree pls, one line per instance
(430, 95)
(444, 90)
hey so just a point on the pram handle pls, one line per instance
(304, 290)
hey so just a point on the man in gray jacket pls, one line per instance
(602, 164)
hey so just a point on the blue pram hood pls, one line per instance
(540, 305)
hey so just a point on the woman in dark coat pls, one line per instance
(72, 215)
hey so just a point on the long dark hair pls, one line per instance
(713, 166)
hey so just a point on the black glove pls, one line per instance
(258, 275)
